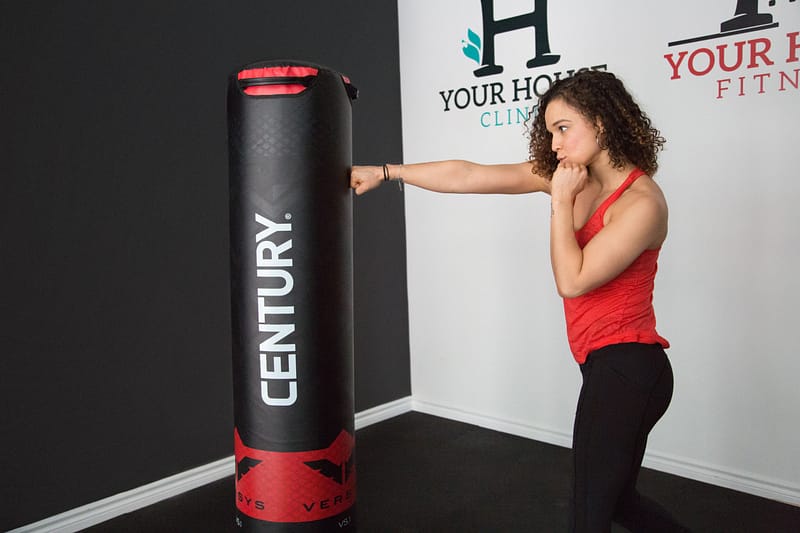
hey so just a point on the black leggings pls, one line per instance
(626, 389)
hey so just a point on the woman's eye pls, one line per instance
(562, 129)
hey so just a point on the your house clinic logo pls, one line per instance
(499, 101)
(750, 55)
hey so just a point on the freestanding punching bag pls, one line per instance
(290, 151)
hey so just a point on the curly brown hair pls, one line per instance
(626, 131)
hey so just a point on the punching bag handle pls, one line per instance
(305, 81)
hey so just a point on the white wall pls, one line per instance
(487, 331)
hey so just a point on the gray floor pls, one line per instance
(420, 473)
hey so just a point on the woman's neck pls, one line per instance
(607, 176)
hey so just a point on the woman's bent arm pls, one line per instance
(454, 176)
(639, 223)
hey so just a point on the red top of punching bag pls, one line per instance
(283, 79)
(290, 87)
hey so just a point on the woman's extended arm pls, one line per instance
(454, 176)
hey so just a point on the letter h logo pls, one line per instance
(747, 17)
(536, 19)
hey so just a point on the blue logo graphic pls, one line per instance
(472, 47)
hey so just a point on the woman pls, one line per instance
(594, 151)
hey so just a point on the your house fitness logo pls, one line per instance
(499, 101)
(748, 57)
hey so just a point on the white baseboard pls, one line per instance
(772, 489)
(549, 436)
(383, 412)
(132, 500)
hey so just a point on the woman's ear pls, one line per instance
(598, 126)
(601, 134)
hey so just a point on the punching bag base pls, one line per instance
(344, 522)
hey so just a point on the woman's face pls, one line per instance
(574, 137)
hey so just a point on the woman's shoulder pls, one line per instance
(643, 200)
(646, 191)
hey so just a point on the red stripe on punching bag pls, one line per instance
(295, 486)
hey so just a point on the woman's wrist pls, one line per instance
(393, 172)
(560, 205)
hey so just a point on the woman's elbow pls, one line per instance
(570, 290)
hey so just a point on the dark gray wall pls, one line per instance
(115, 336)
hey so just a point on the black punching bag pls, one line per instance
(290, 152)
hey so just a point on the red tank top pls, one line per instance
(622, 309)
